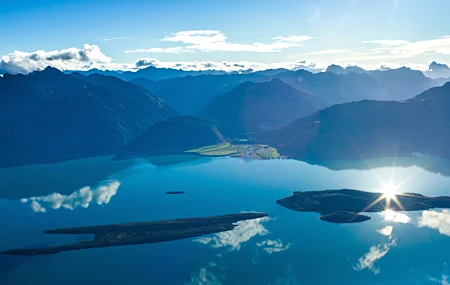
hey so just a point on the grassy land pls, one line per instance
(216, 150)
(241, 150)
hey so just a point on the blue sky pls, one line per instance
(359, 31)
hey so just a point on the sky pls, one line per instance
(119, 34)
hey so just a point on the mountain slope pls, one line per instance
(334, 88)
(50, 116)
(365, 129)
(252, 106)
(190, 93)
(176, 134)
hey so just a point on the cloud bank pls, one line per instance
(80, 198)
(213, 40)
(273, 246)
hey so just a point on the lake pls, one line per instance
(287, 248)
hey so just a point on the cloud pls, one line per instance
(375, 253)
(243, 232)
(327, 51)
(82, 197)
(436, 220)
(386, 231)
(213, 40)
(395, 217)
(401, 49)
(204, 277)
(388, 42)
(66, 59)
(114, 39)
(273, 246)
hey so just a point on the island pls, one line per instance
(141, 233)
(345, 205)
(175, 192)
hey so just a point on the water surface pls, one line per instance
(287, 248)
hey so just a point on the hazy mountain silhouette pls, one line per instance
(176, 134)
(49, 116)
(438, 70)
(252, 106)
(366, 129)
(190, 93)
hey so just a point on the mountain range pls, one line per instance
(49, 116)
(253, 106)
(366, 129)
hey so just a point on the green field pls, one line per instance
(216, 150)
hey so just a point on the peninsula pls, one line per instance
(141, 233)
(345, 205)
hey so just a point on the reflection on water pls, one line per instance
(273, 246)
(243, 232)
(204, 277)
(436, 220)
(82, 197)
(429, 163)
(386, 231)
(376, 252)
(64, 177)
(289, 278)
(396, 217)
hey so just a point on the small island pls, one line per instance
(175, 192)
(345, 205)
(141, 233)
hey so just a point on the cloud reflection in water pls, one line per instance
(243, 232)
(436, 220)
(273, 246)
(395, 217)
(82, 197)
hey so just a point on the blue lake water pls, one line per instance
(288, 248)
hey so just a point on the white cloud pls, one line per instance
(375, 253)
(82, 197)
(436, 220)
(213, 40)
(327, 51)
(386, 231)
(243, 232)
(395, 217)
(388, 42)
(66, 59)
(273, 246)
(204, 277)
(401, 49)
(114, 39)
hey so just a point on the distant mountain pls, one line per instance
(333, 88)
(366, 129)
(48, 116)
(116, 73)
(176, 134)
(190, 93)
(438, 70)
(341, 70)
(254, 106)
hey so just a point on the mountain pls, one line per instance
(402, 83)
(367, 129)
(341, 70)
(190, 93)
(333, 88)
(176, 134)
(438, 70)
(48, 116)
(253, 106)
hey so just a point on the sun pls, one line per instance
(389, 191)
